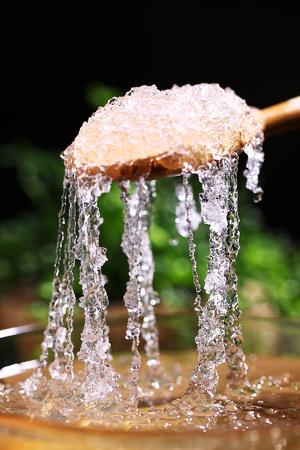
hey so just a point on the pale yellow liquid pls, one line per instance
(268, 419)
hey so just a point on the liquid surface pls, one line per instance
(268, 414)
(273, 398)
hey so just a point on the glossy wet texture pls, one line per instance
(153, 133)
(267, 414)
(273, 424)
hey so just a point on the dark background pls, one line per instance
(49, 53)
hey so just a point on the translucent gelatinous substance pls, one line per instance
(156, 377)
(194, 217)
(57, 335)
(100, 383)
(219, 335)
(200, 125)
(134, 211)
(237, 374)
(96, 386)
(255, 159)
(184, 124)
(210, 337)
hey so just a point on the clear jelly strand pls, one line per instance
(211, 332)
(237, 375)
(255, 159)
(135, 211)
(100, 384)
(57, 335)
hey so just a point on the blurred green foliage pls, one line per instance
(268, 264)
(98, 94)
(27, 241)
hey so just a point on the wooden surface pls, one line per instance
(281, 117)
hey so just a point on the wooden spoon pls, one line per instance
(275, 119)
(282, 117)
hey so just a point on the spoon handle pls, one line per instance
(281, 117)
